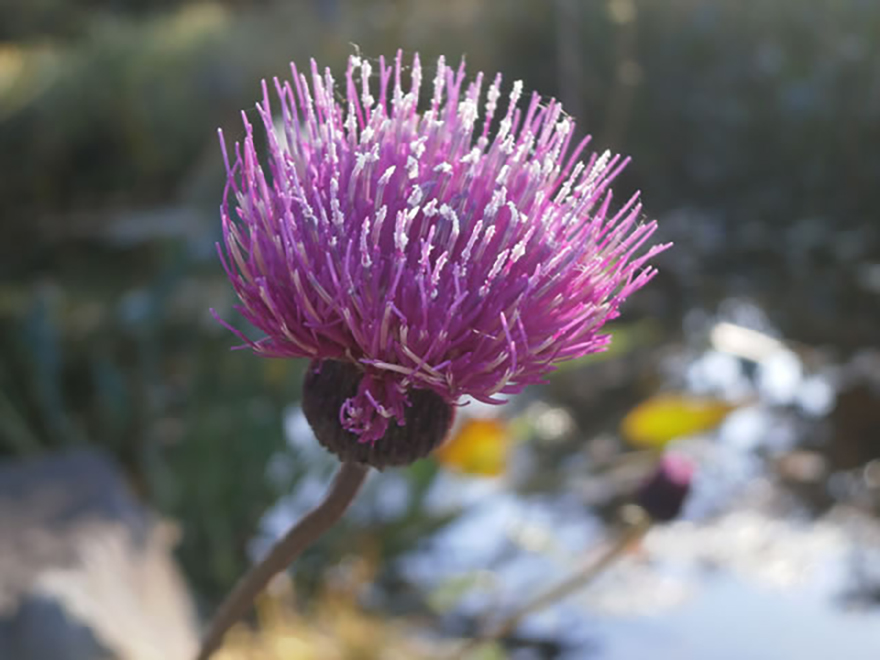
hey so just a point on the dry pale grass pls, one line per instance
(335, 627)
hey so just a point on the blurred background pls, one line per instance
(144, 464)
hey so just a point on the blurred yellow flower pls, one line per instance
(480, 446)
(659, 420)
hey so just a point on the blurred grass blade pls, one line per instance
(15, 435)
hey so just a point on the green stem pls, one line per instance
(345, 486)
(579, 580)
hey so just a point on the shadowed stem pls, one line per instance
(633, 532)
(345, 486)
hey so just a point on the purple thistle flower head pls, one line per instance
(427, 247)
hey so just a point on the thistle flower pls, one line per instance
(422, 253)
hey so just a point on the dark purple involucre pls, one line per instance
(428, 248)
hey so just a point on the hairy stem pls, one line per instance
(345, 486)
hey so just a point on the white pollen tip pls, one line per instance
(516, 92)
(386, 177)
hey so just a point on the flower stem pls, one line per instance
(633, 532)
(342, 492)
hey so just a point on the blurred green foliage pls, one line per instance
(139, 369)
